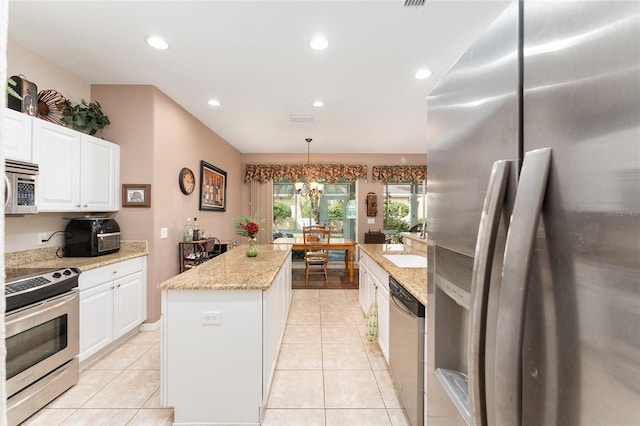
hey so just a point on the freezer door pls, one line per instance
(473, 121)
(581, 347)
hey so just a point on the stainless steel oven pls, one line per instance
(42, 339)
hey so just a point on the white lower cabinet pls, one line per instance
(219, 372)
(383, 318)
(374, 283)
(276, 302)
(112, 303)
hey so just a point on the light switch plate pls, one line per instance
(164, 233)
(371, 220)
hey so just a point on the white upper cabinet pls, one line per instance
(17, 141)
(78, 172)
(100, 171)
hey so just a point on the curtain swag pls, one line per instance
(413, 174)
(330, 173)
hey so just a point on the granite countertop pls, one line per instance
(46, 258)
(233, 270)
(412, 279)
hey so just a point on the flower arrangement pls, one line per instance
(245, 226)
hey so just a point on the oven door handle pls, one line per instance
(25, 318)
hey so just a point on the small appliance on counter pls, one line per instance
(90, 236)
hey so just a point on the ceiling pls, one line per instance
(254, 57)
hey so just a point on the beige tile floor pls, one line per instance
(327, 374)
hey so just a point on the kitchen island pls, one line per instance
(222, 325)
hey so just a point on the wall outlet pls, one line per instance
(42, 236)
(164, 233)
(209, 317)
(371, 220)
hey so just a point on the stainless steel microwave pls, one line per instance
(21, 188)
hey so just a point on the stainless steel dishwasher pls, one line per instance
(406, 349)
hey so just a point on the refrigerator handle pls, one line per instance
(485, 247)
(510, 320)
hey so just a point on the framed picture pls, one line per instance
(136, 195)
(213, 187)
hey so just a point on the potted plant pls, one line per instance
(85, 117)
(11, 83)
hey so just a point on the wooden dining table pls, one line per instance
(335, 244)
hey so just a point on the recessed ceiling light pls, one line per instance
(214, 102)
(423, 73)
(319, 43)
(318, 104)
(157, 42)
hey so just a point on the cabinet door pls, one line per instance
(99, 174)
(383, 321)
(56, 151)
(128, 303)
(96, 319)
(17, 130)
(362, 288)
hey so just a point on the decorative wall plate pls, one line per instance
(50, 106)
(187, 181)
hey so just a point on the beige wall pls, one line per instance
(157, 139)
(44, 74)
(362, 186)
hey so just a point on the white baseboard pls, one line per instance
(150, 326)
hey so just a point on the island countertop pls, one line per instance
(412, 279)
(233, 270)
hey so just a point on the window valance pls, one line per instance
(330, 173)
(413, 174)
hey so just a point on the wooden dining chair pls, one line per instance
(313, 227)
(316, 252)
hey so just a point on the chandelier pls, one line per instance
(308, 188)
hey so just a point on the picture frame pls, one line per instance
(136, 195)
(213, 187)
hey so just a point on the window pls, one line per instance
(335, 208)
(402, 207)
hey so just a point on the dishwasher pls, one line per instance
(406, 349)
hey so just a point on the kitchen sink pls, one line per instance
(407, 260)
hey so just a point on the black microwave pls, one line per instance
(90, 236)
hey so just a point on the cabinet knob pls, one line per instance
(118, 286)
(114, 272)
(77, 205)
(85, 205)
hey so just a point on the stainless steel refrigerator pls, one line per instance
(533, 314)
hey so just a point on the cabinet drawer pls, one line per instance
(94, 277)
(365, 259)
(380, 274)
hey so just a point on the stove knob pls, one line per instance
(57, 275)
(67, 272)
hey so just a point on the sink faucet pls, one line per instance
(423, 232)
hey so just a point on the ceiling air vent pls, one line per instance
(301, 118)
(414, 2)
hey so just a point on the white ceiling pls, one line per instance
(254, 57)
